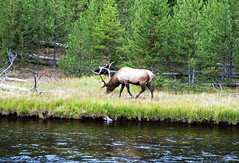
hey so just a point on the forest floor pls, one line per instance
(77, 98)
(45, 71)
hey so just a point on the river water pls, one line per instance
(27, 140)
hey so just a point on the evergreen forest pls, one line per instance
(198, 39)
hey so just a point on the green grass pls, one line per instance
(75, 98)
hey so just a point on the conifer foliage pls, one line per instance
(199, 39)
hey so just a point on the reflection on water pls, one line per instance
(72, 140)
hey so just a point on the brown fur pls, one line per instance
(126, 76)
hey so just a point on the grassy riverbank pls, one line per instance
(77, 98)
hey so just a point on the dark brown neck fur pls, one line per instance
(114, 81)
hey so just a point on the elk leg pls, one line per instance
(142, 90)
(122, 88)
(127, 86)
(151, 89)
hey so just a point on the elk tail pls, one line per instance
(151, 76)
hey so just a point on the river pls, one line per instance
(29, 140)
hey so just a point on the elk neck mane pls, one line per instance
(113, 79)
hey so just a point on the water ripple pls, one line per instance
(57, 141)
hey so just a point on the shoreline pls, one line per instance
(210, 122)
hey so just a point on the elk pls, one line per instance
(126, 76)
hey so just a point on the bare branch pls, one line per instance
(11, 58)
(36, 78)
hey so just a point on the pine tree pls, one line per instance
(216, 38)
(8, 31)
(166, 45)
(62, 24)
(4, 30)
(141, 30)
(89, 20)
(165, 42)
(205, 49)
(70, 63)
(107, 33)
(187, 17)
(26, 27)
(76, 8)
(80, 55)
(225, 29)
(125, 10)
(17, 26)
(234, 45)
(143, 38)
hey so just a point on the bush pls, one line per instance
(177, 85)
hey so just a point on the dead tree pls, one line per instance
(36, 76)
(11, 58)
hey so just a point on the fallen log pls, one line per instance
(48, 61)
(52, 44)
(15, 79)
(34, 56)
(174, 74)
(11, 87)
(221, 84)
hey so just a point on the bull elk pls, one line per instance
(126, 76)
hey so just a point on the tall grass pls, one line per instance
(75, 98)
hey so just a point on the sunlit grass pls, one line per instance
(74, 98)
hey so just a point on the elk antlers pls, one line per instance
(100, 70)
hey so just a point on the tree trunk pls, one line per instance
(38, 54)
(76, 6)
(47, 49)
(224, 68)
(54, 56)
(193, 73)
(169, 65)
(21, 58)
(189, 73)
(79, 71)
(230, 66)
(54, 40)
